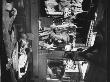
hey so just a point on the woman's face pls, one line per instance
(24, 36)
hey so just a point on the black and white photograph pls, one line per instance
(54, 41)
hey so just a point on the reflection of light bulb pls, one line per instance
(95, 15)
(59, 41)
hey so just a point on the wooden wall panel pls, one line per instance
(34, 29)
